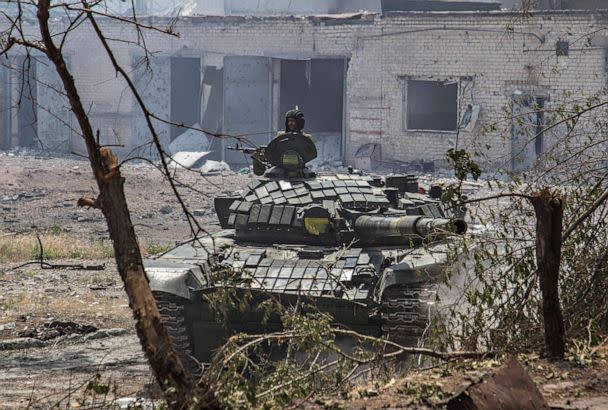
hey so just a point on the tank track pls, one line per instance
(406, 314)
(172, 312)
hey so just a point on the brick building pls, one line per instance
(416, 83)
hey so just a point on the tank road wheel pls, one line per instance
(406, 315)
(173, 313)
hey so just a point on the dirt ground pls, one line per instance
(66, 306)
(61, 327)
(564, 385)
(38, 192)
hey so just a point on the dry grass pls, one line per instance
(17, 248)
(82, 308)
(61, 245)
(148, 247)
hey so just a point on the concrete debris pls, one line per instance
(405, 167)
(56, 329)
(165, 210)
(20, 343)
(190, 141)
(138, 403)
(103, 333)
(34, 342)
(199, 212)
(188, 159)
(8, 326)
(212, 167)
(196, 160)
(510, 387)
(28, 196)
(190, 148)
(368, 156)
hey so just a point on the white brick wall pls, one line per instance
(498, 51)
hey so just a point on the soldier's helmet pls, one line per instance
(298, 115)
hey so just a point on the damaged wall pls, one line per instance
(472, 51)
(469, 51)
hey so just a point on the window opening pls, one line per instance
(431, 105)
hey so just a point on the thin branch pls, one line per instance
(89, 11)
(155, 139)
(297, 379)
(26, 43)
(497, 196)
(417, 350)
(599, 201)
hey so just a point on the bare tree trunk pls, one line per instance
(154, 338)
(549, 209)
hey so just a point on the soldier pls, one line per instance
(294, 122)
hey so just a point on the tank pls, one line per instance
(368, 250)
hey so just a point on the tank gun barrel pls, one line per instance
(407, 226)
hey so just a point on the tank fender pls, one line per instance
(174, 278)
(393, 277)
(407, 273)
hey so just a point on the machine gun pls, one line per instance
(247, 150)
(290, 151)
(258, 156)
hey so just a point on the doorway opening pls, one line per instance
(527, 129)
(185, 93)
(258, 91)
(213, 108)
(26, 109)
(316, 86)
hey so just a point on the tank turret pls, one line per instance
(290, 204)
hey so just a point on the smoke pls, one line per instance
(293, 7)
(168, 8)
(171, 8)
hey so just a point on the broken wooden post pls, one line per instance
(549, 210)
